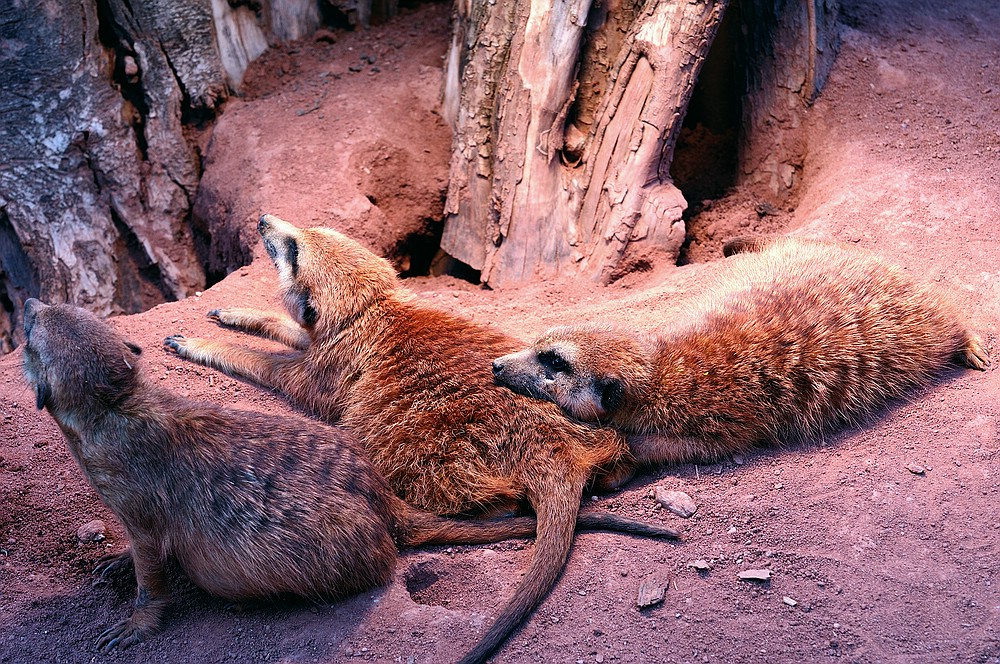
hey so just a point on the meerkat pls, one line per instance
(798, 337)
(414, 384)
(250, 505)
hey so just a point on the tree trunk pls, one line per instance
(565, 120)
(103, 105)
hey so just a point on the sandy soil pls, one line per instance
(882, 564)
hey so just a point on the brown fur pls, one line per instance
(414, 383)
(799, 336)
(250, 505)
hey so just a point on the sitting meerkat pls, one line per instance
(797, 337)
(414, 384)
(250, 505)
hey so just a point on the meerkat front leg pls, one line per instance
(261, 367)
(278, 327)
(151, 599)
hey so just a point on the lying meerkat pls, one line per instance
(414, 384)
(798, 337)
(250, 505)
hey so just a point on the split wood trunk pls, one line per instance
(565, 119)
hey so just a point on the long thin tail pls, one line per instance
(610, 522)
(556, 520)
(425, 528)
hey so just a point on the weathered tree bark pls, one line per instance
(565, 119)
(102, 106)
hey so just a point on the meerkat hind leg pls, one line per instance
(975, 355)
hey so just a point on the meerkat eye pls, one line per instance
(553, 361)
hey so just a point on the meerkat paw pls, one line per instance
(123, 635)
(174, 342)
(112, 565)
(239, 318)
(975, 354)
(615, 477)
(230, 317)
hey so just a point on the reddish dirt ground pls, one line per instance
(883, 564)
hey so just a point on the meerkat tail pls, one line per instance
(556, 520)
(617, 524)
(426, 528)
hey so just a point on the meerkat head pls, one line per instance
(325, 277)
(586, 371)
(74, 361)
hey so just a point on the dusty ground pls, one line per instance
(883, 564)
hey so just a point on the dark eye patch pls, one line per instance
(292, 251)
(553, 361)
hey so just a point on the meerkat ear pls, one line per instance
(42, 395)
(136, 350)
(612, 393)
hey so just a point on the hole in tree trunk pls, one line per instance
(705, 158)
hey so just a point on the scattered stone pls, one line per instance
(916, 469)
(789, 601)
(650, 594)
(92, 531)
(700, 565)
(755, 575)
(131, 67)
(354, 69)
(677, 502)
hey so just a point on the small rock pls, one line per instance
(354, 69)
(916, 469)
(700, 565)
(755, 575)
(677, 502)
(92, 531)
(131, 66)
(599, 659)
(650, 594)
(789, 601)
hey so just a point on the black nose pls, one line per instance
(497, 368)
(263, 224)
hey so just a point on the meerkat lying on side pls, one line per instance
(798, 337)
(250, 505)
(414, 384)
